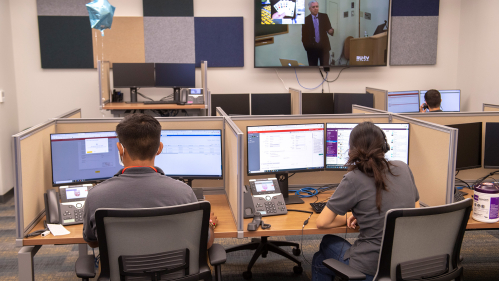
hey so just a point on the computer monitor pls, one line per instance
(317, 103)
(491, 152)
(469, 145)
(343, 102)
(451, 100)
(271, 104)
(338, 143)
(176, 76)
(232, 104)
(402, 102)
(133, 76)
(191, 154)
(79, 158)
(283, 149)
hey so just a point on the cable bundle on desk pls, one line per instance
(482, 179)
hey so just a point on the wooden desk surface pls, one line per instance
(473, 224)
(219, 204)
(138, 106)
(291, 224)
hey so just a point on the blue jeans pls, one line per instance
(334, 247)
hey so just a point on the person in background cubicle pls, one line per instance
(314, 36)
(139, 184)
(432, 101)
(370, 188)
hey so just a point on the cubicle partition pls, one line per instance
(34, 174)
(490, 107)
(75, 113)
(450, 118)
(296, 101)
(103, 72)
(379, 97)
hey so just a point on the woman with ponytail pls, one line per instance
(371, 187)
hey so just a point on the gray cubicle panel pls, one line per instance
(490, 107)
(296, 101)
(379, 97)
(452, 118)
(75, 113)
(428, 141)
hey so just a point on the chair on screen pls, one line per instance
(418, 244)
(157, 243)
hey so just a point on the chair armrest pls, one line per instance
(85, 266)
(217, 254)
(344, 271)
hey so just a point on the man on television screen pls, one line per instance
(314, 36)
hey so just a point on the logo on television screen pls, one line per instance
(362, 58)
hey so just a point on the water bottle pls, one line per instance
(365, 34)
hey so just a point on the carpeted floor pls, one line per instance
(480, 250)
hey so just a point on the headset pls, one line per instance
(386, 146)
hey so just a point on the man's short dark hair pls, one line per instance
(432, 98)
(140, 135)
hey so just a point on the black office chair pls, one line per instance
(155, 243)
(418, 244)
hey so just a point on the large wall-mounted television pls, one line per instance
(351, 33)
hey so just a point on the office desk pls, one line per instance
(291, 224)
(219, 204)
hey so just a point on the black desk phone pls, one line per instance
(70, 210)
(264, 196)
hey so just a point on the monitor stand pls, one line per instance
(282, 178)
(133, 95)
(197, 191)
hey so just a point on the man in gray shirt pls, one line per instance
(139, 184)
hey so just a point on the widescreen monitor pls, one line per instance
(338, 138)
(317, 103)
(79, 158)
(402, 102)
(191, 154)
(491, 152)
(343, 102)
(469, 145)
(271, 104)
(231, 104)
(284, 31)
(176, 75)
(285, 148)
(451, 100)
(132, 75)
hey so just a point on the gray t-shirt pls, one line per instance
(357, 192)
(137, 187)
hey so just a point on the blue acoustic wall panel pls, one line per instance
(414, 32)
(220, 41)
(65, 42)
(169, 39)
(168, 8)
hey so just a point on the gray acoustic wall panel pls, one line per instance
(169, 39)
(414, 40)
(62, 8)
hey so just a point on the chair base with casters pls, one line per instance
(263, 246)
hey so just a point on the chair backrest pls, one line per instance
(423, 238)
(152, 230)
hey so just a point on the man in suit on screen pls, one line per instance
(315, 33)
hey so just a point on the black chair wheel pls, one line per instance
(296, 251)
(247, 275)
(298, 269)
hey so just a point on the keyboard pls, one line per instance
(160, 102)
(459, 195)
(318, 207)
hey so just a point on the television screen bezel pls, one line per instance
(308, 66)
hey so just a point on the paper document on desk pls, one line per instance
(57, 229)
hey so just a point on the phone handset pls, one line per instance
(52, 206)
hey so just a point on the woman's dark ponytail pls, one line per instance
(367, 153)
